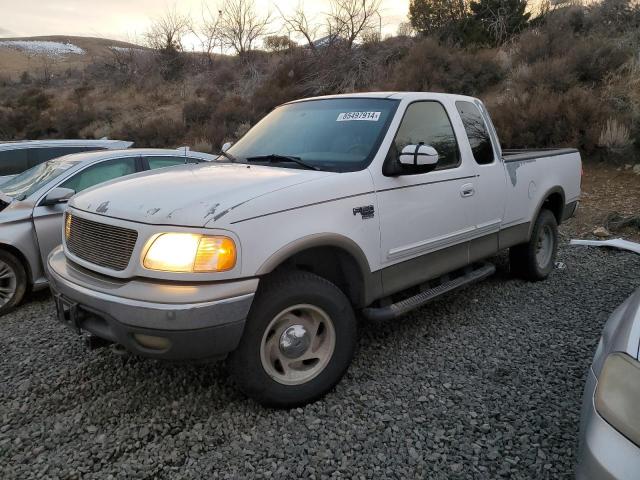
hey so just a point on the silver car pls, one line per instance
(32, 204)
(18, 156)
(610, 421)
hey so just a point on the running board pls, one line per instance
(397, 309)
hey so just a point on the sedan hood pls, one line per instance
(189, 195)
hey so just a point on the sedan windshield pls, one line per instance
(341, 134)
(29, 181)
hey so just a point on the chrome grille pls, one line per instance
(98, 243)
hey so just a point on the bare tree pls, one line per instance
(165, 37)
(297, 23)
(209, 31)
(405, 29)
(350, 19)
(167, 32)
(240, 25)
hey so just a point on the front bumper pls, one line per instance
(604, 453)
(153, 318)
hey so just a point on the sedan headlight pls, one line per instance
(618, 395)
(188, 252)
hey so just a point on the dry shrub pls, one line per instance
(156, 132)
(544, 118)
(282, 84)
(614, 136)
(551, 74)
(429, 66)
(197, 112)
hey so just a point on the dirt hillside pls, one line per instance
(53, 53)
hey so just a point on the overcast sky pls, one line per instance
(128, 19)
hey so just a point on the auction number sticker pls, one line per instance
(351, 116)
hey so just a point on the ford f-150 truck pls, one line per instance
(369, 203)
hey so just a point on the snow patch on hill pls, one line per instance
(43, 47)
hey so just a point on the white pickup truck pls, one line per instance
(372, 203)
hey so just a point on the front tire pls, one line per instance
(298, 342)
(535, 259)
(13, 282)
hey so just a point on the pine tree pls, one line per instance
(499, 20)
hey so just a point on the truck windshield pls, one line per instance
(341, 134)
(29, 181)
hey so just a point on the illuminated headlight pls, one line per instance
(188, 252)
(618, 395)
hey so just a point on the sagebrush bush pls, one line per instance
(429, 66)
(544, 118)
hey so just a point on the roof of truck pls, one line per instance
(394, 95)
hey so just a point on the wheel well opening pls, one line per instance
(333, 264)
(21, 258)
(555, 203)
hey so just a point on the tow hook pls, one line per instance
(94, 342)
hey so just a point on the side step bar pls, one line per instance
(397, 309)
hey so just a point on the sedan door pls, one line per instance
(426, 217)
(47, 220)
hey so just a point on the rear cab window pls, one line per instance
(477, 132)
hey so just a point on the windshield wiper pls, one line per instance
(227, 155)
(274, 158)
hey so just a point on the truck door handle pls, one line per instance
(467, 190)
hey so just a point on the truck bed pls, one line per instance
(520, 154)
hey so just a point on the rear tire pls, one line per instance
(13, 282)
(298, 341)
(535, 259)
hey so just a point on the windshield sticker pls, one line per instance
(351, 116)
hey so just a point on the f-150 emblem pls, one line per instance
(366, 212)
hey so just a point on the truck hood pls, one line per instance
(189, 195)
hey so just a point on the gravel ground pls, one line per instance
(482, 383)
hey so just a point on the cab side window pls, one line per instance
(100, 173)
(477, 132)
(427, 122)
(162, 161)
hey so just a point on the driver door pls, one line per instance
(47, 220)
(425, 218)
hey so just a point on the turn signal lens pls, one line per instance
(215, 254)
(188, 252)
(67, 226)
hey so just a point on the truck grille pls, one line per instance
(98, 243)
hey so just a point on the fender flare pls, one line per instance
(372, 283)
(557, 189)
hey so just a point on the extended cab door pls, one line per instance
(48, 219)
(425, 217)
(482, 148)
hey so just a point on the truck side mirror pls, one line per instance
(56, 196)
(420, 155)
(226, 146)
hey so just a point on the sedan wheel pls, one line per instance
(13, 281)
(8, 283)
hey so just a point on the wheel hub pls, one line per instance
(294, 341)
(297, 344)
